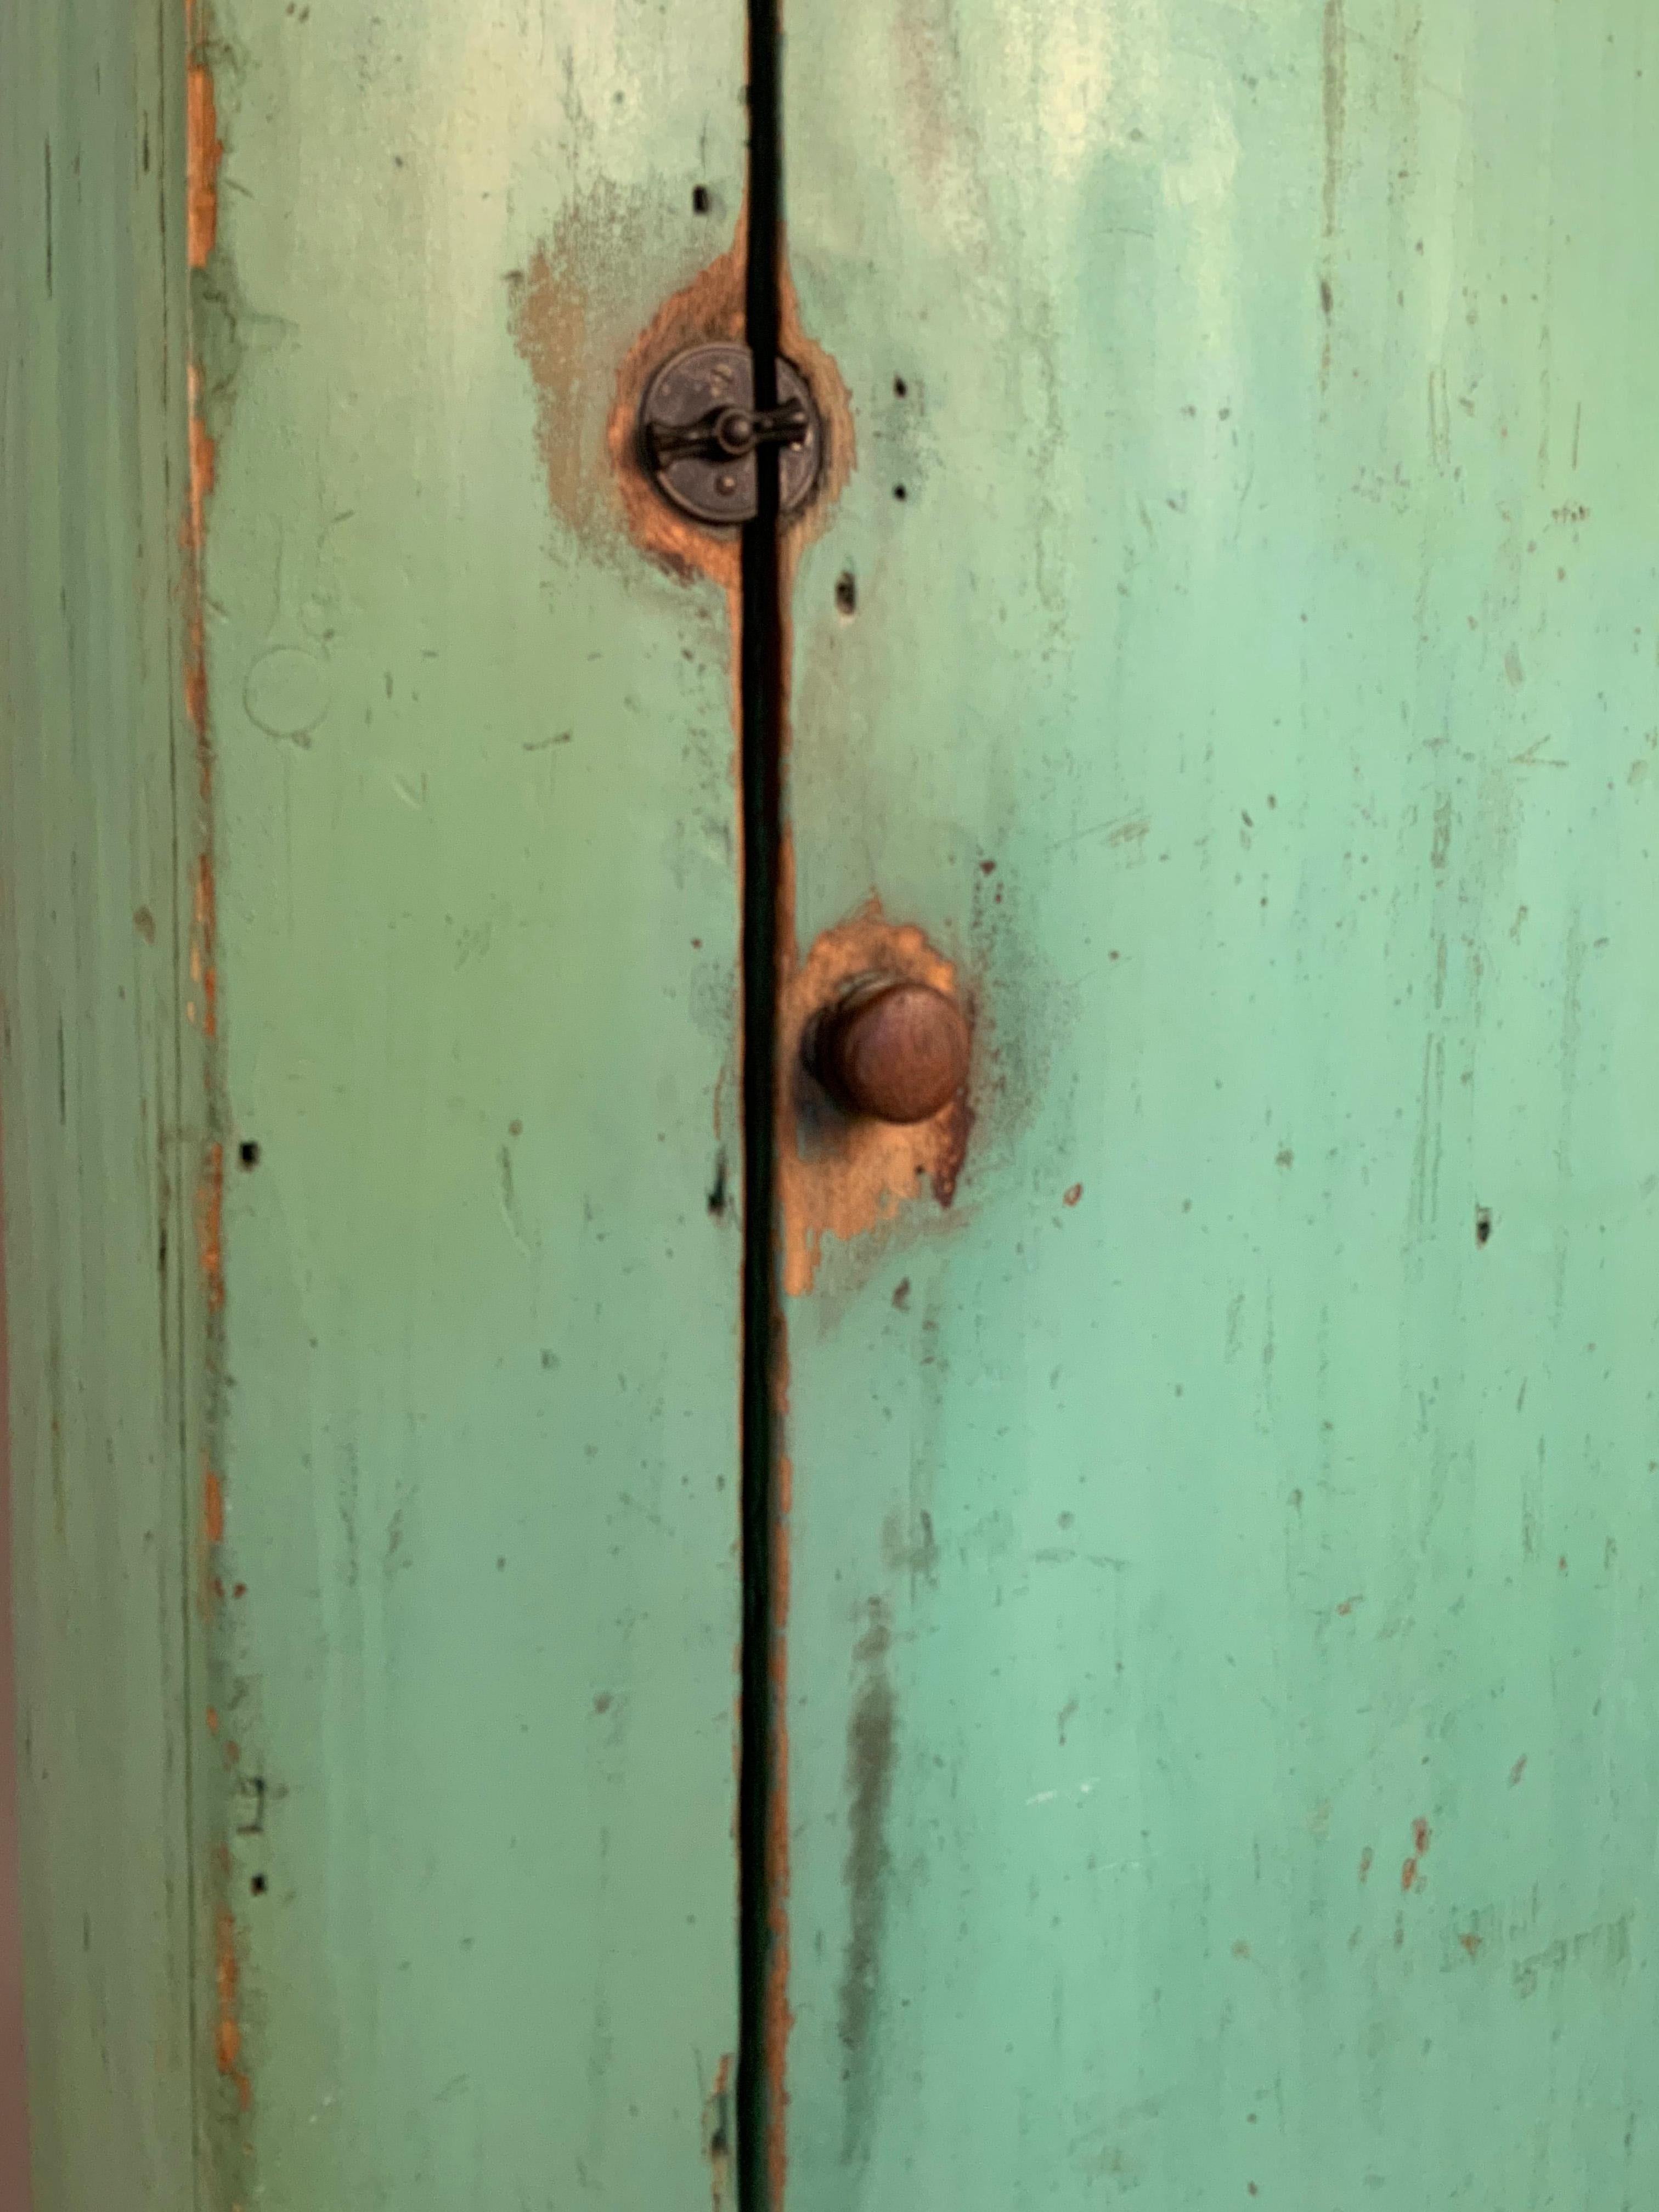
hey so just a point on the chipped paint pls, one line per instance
(227, 2028)
(571, 311)
(209, 1224)
(204, 152)
(717, 2128)
(203, 466)
(840, 1176)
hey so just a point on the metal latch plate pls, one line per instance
(699, 433)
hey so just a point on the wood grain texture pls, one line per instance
(475, 1609)
(369, 945)
(1223, 1562)
(94, 1061)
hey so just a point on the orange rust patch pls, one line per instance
(213, 1720)
(571, 308)
(574, 307)
(204, 917)
(213, 1508)
(205, 150)
(227, 2031)
(837, 1175)
(203, 465)
(210, 1217)
(202, 461)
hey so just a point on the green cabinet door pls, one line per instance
(370, 995)
(1222, 1631)
(581, 1644)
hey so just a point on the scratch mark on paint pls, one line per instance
(717, 2131)
(1605, 1946)
(871, 1734)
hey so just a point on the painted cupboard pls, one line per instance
(827, 891)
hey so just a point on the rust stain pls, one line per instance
(204, 149)
(1366, 1857)
(1072, 1195)
(840, 1176)
(572, 309)
(227, 2031)
(202, 467)
(204, 155)
(1420, 1835)
(210, 1217)
(204, 919)
(213, 1720)
(1471, 1944)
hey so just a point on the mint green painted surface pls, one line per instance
(408, 1804)
(477, 917)
(93, 1060)
(1161, 1557)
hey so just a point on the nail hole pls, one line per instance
(847, 593)
(1482, 1224)
(258, 1885)
(899, 492)
(248, 1153)
(717, 1192)
(700, 199)
(900, 387)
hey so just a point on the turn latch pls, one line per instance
(700, 432)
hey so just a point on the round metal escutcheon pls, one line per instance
(715, 487)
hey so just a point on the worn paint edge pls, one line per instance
(221, 2036)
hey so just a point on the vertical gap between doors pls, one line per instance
(763, 716)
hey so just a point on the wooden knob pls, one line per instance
(891, 1049)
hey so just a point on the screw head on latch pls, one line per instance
(700, 431)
